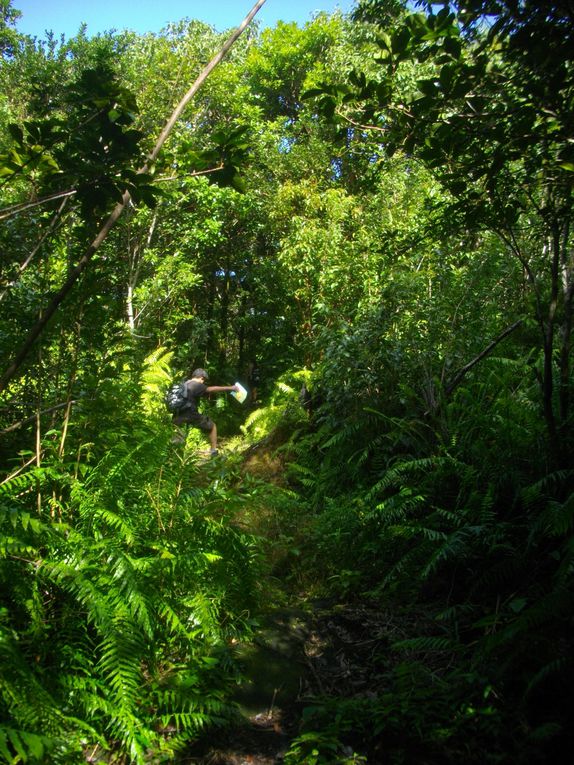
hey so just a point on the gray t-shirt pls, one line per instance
(195, 390)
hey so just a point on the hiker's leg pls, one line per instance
(179, 436)
(207, 426)
(180, 430)
(213, 436)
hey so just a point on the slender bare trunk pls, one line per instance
(69, 403)
(38, 457)
(457, 379)
(24, 265)
(567, 264)
(547, 378)
(134, 271)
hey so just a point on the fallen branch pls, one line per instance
(56, 220)
(457, 379)
(7, 212)
(17, 472)
(26, 420)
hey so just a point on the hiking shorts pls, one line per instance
(194, 420)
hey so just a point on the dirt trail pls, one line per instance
(301, 651)
(269, 699)
(274, 665)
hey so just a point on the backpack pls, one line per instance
(176, 396)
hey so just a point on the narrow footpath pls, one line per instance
(302, 652)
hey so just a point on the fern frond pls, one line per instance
(405, 502)
(546, 487)
(14, 485)
(24, 746)
(509, 569)
(427, 644)
(454, 547)
(15, 547)
(565, 572)
(121, 653)
(203, 615)
(394, 477)
(548, 610)
(551, 669)
(556, 519)
(116, 522)
(349, 431)
(406, 563)
(155, 378)
(43, 725)
(77, 581)
(174, 622)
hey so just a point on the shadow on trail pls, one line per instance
(301, 651)
(269, 698)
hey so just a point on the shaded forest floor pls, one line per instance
(381, 678)
(299, 656)
(285, 665)
(306, 648)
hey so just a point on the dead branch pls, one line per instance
(7, 212)
(26, 420)
(56, 220)
(457, 379)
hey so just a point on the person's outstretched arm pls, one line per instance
(221, 388)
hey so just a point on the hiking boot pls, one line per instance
(213, 452)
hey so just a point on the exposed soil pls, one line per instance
(300, 654)
(336, 651)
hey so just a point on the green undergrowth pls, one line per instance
(438, 576)
(468, 547)
(125, 583)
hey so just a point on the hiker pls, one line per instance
(189, 413)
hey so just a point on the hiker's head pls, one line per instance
(201, 374)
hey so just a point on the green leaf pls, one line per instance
(453, 46)
(517, 605)
(384, 42)
(446, 76)
(400, 41)
(238, 183)
(427, 87)
(16, 742)
(16, 132)
(4, 751)
(312, 93)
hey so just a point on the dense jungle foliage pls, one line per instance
(376, 211)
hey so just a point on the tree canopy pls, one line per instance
(374, 212)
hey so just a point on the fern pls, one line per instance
(23, 746)
(155, 378)
(426, 644)
(553, 668)
(43, 726)
(136, 575)
(555, 520)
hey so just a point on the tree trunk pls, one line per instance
(566, 339)
(134, 271)
(548, 377)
